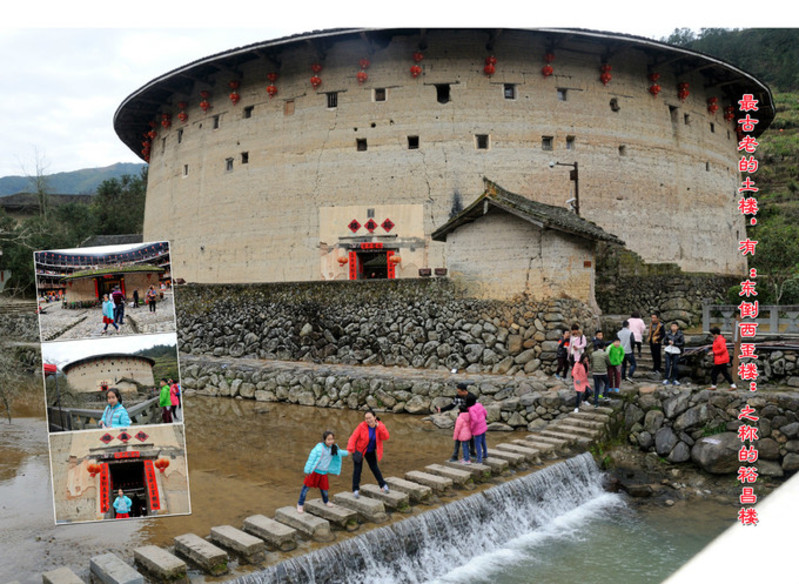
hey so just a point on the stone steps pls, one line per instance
(366, 508)
(529, 453)
(278, 536)
(513, 458)
(248, 548)
(440, 485)
(461, 478)
(308, 525)
(394, 500)
(337, 515)
(417, 493)
(203, 554)
(160, 565)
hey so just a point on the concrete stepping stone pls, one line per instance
(308, 525)
(498, 466)
(603, 410)
(588, 420)
(542, 447)
(513, 458)
(203, 554)
(461, 478)
(58, 576)
(529, 453)
(248, 547)
(395, 500)
(439, 484)
(277, 535)
(337, 515)
(110, 569)
(160, 565)
(571, 438)
(556, 443)
(416, 493)
(479, 472)
(573, 428)
(368, 509)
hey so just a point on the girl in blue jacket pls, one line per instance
(115, 415)
(324, 459)
(108, 314)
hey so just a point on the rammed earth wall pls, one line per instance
(426, 324)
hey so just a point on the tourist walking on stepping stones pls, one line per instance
(580, 377)
(115, 415)
(478, 427)
(165, 401)
(721, 359)
(563, 355)
(577, 345)
(366, 443)
(655, 337)
(615, 359)
(324, 459)
(150, 298)
(674, 342)
(108, 314)
(463, 433)
(122, 505)
(599, 369)
(626, 337)
(638, 326)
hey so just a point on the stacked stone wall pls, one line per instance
(429, 324)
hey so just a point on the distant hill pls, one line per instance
(76, 182)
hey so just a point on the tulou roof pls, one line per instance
(112, 270)
(540, 214)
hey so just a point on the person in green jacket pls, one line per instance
(165, 402)
(599, 369)
(615, 359)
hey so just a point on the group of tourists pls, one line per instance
(169, 400)
(113, 306)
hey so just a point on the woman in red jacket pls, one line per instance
(721, 358)
(366, 443)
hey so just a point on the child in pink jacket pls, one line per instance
(478, 427)
(580, 376)
(463, 433)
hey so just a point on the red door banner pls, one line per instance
(96, 289)
(105, 488)
(353, 265)
(392, 267)
(152, 485)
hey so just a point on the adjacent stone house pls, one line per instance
(504, 245)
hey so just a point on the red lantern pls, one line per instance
(316, 68)
(547, 70)
(549, 57)
(654, 89)
(729, 113)
(316, 81)
(183, 116)
(712, 104)
(418, 56)
(491, 60)
(272, 76)
(364, 63)
(342, 260)
(235, 97)
(362, 76)
(152, 134)
(489, 70)
(166, 120)
(271, 90)
(415, 71)
(395, 259)
(234, 84)
(204, 105)
(682, 91)
(605, 77)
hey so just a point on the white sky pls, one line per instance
(66, 66)
(68, 351)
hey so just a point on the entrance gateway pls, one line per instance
(372, 261)
(134, 473)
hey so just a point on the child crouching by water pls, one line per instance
(324, 459)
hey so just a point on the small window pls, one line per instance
(247, 112)
(569, 142)
(481, 141)
(728, 134)
(288, 108)
(673, 112)
(546, 142)
(370, 213)
(562, 94)
(622, 150)
(245, 157)
(228, 164)
(509, 91)
(163, 145)
(180, 135)
(185, 170)
(686, 119)
(707, 167)
(380, 94)
(360, 144)
(413, 142)
(332, 99)
(216, 122)
(614, 104)
(442, 93)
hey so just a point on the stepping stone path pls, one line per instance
(259, 533)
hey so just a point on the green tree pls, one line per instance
(118, 206)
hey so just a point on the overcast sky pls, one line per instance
(66, 66)
(68, 351)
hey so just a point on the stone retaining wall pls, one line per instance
(681, 425)
(426, 324)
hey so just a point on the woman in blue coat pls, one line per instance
(115, 415)
(324, 459)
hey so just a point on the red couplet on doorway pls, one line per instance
(152, 485)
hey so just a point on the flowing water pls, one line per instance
(557, 525)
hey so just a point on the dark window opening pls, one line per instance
(569, 142)
(562, 94)
(245, 157)
(380, 94)
(686, 119)
(614, 104)
(185, 170)
(360, 144)
(509, 91)
(481, 141)
(216, 122)
(228, 164)
(370, 213)
(180, 135)
(247, 112)
(622, 150)
(712, 128)
(442, 93)
(546, 142)
(674, 112)
(373, 265)
(332, 99)
(413, 142)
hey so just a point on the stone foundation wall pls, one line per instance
(681, 425)
(429, 324)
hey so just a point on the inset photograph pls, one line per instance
(112, 383)
(111, 474)
(104, 291)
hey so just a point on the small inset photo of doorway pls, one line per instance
(111, 474)
(372, 261)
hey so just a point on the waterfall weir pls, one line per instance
(434, 543)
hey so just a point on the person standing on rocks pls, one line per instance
(577, 345)
(626, 337)
(599, 369)
(655, 338)
(615, 359)
(674, 341)
(366, 443)
(563, 355)
(580, 376)
(721, 359)
(324, 459)
(638, 327)
(463, 397)
(478, 426)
